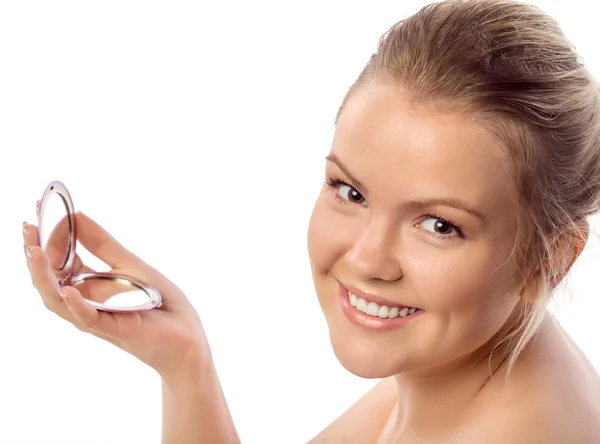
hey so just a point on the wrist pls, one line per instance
(195, 364)
(194, 406)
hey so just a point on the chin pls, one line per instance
(367, 357)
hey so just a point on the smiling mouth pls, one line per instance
(380, 311)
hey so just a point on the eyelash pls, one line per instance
(335, 183)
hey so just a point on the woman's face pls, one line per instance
(412, 236)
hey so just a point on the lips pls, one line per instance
(370, 297)
(373, 315)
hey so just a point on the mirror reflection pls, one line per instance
(54, 231)
(112, 292)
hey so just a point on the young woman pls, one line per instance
(463, 170)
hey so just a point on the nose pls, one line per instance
(372, 255)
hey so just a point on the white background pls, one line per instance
(195, 133)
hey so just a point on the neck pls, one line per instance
(442, 396)
(447, 395)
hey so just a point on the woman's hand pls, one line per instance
(165, 338)
(169, 339)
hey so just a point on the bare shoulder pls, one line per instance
(363, 421)
(555, 400)
(536, 423)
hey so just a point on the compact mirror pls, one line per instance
(57, 236)
(56, 226)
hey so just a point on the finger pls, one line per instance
(55, 304)
(30, 238)
(94, 289)
(46, 283)
(101, 244)
(25, 230)
(98, 322)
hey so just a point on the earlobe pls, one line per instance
(531, 286)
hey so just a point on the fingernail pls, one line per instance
(25, 227)
(62, 295)
(29, 253)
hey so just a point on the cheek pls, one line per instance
(325, 237)
(467, 295)
(464, 282)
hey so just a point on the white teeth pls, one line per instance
(383, 311)
(361, 305)
(372, 309)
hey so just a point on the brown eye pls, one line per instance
(443, 227)
(440, 226)
(350, 194)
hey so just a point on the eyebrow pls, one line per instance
(448, 202)
(334, 159)
(413, 204)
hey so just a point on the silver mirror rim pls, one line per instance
(57, 187)
(154, 296)
(67, 278)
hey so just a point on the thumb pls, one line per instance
(101, 244)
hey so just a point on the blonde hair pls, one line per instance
(509, 65)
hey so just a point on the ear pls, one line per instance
(566, 249)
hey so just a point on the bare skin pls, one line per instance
(377, 234)
(558, 404)
(170, 340)
(436, 384)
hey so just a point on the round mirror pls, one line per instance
(55, 230)
(58, 236)
(115, 293)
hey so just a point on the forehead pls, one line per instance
(388, 141)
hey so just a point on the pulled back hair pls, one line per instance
(509, 66)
